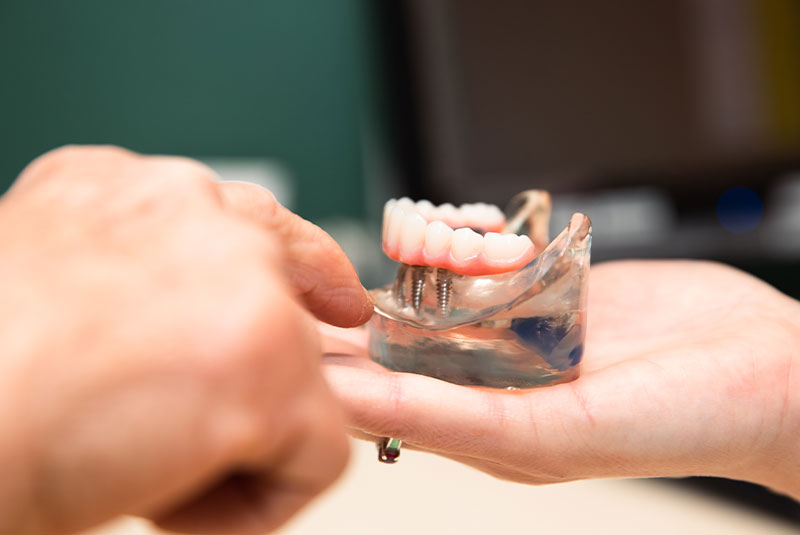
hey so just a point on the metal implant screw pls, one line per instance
(444, 290)
(398, 282)
(417, 287)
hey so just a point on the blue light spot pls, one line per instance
(740, 209)
(575, 355)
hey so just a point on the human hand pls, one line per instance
(155, 354)
(690, 368)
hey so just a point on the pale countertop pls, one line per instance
(424, 494)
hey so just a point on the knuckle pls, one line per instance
(61, 158)
(166, 181)
(60, 154)
(184, 170)
(72, 152)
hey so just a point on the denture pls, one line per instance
(481, 298)
(468, 240)
(491, 302)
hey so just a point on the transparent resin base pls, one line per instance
(520, 329)
(529, 352)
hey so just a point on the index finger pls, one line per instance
(317, 267)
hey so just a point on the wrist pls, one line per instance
(779, 466)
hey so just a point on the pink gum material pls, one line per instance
(476, 265)
(497, 227)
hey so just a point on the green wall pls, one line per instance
(277, 79)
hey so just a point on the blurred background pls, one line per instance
(674, 124)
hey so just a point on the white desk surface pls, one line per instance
(424, 494)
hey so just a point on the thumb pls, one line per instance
(316, 266)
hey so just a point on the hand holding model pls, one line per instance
(156, 357)
(691, 368)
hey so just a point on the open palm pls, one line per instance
(688, 370)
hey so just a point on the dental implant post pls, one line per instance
(444, 289)
(417, 287)
(398, 285)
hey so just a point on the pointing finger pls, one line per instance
(317, 267)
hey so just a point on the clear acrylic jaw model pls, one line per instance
(504, 312)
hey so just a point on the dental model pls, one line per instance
(480, 297)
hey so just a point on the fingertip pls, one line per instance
(342, 307)
(367, 309)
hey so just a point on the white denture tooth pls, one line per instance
(512, 245)
(396, 216)
(494, 246)
(407, 204)
(495, 214)
(438, 237)
(525, 243)
(447, 212)
(391, 203)
(517, 245)
(466, 243)
(484, 217)
(426, 209)
(478, 211)
(505, 246)
(412, 235)
(387, 209)
(469, 214)
(488, 209)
